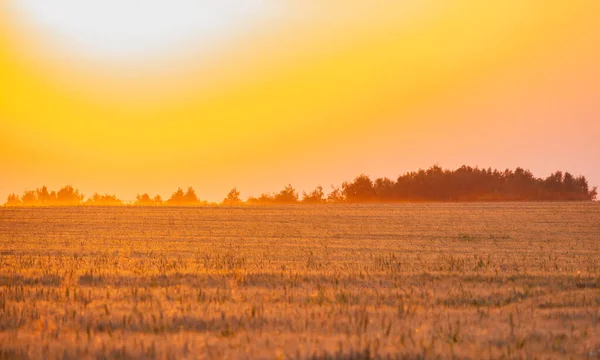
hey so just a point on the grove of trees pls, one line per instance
(43, 197)
(469, 184)
(286, 196)
(146, 200)
(103, 200)
(434, 184)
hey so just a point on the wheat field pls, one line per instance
(478, 280)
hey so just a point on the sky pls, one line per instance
(126, 97)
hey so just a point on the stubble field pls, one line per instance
(505, 280)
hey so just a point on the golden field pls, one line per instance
(464, 280)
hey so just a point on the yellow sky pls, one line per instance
(318, 98)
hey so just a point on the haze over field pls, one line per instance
(108, 95)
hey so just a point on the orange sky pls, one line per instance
(315, 96)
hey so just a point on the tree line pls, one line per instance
(434, 184)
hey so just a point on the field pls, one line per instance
(479, 280)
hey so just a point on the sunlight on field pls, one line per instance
(513, 280)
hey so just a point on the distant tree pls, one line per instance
(146, 200)
(103, 200)
(359, 190)
(179, 198)
(13, 200)
(593, 194)
(233, 198)
(69, 196)
(265, 198)
(384, 189)
(520, 184)
(568, 181)
(143, 200)
(336, 196)
(29, 198)
(111, 200)
(286, 196)
(45, 197)
(252, 200)
(581, 186)
(191, 197)
(93, 200)
(553, 185)
(315, 197)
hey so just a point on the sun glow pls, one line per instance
(258, 94)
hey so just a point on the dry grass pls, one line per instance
(405, 281)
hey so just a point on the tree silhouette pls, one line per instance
(465, 183)
(286, 196)
(473, 184)
(179, 198)
(593, 193)
(103, 200)
(233, 198)
(69, 196)
(146, 200)
(143, 200)
(315, 197)
(384, 188)
(45, 197)
(13, 200)
(336, 196)
(252, 201)
(359, 190)
(191, 197)
(265, 199)
(29, 198)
